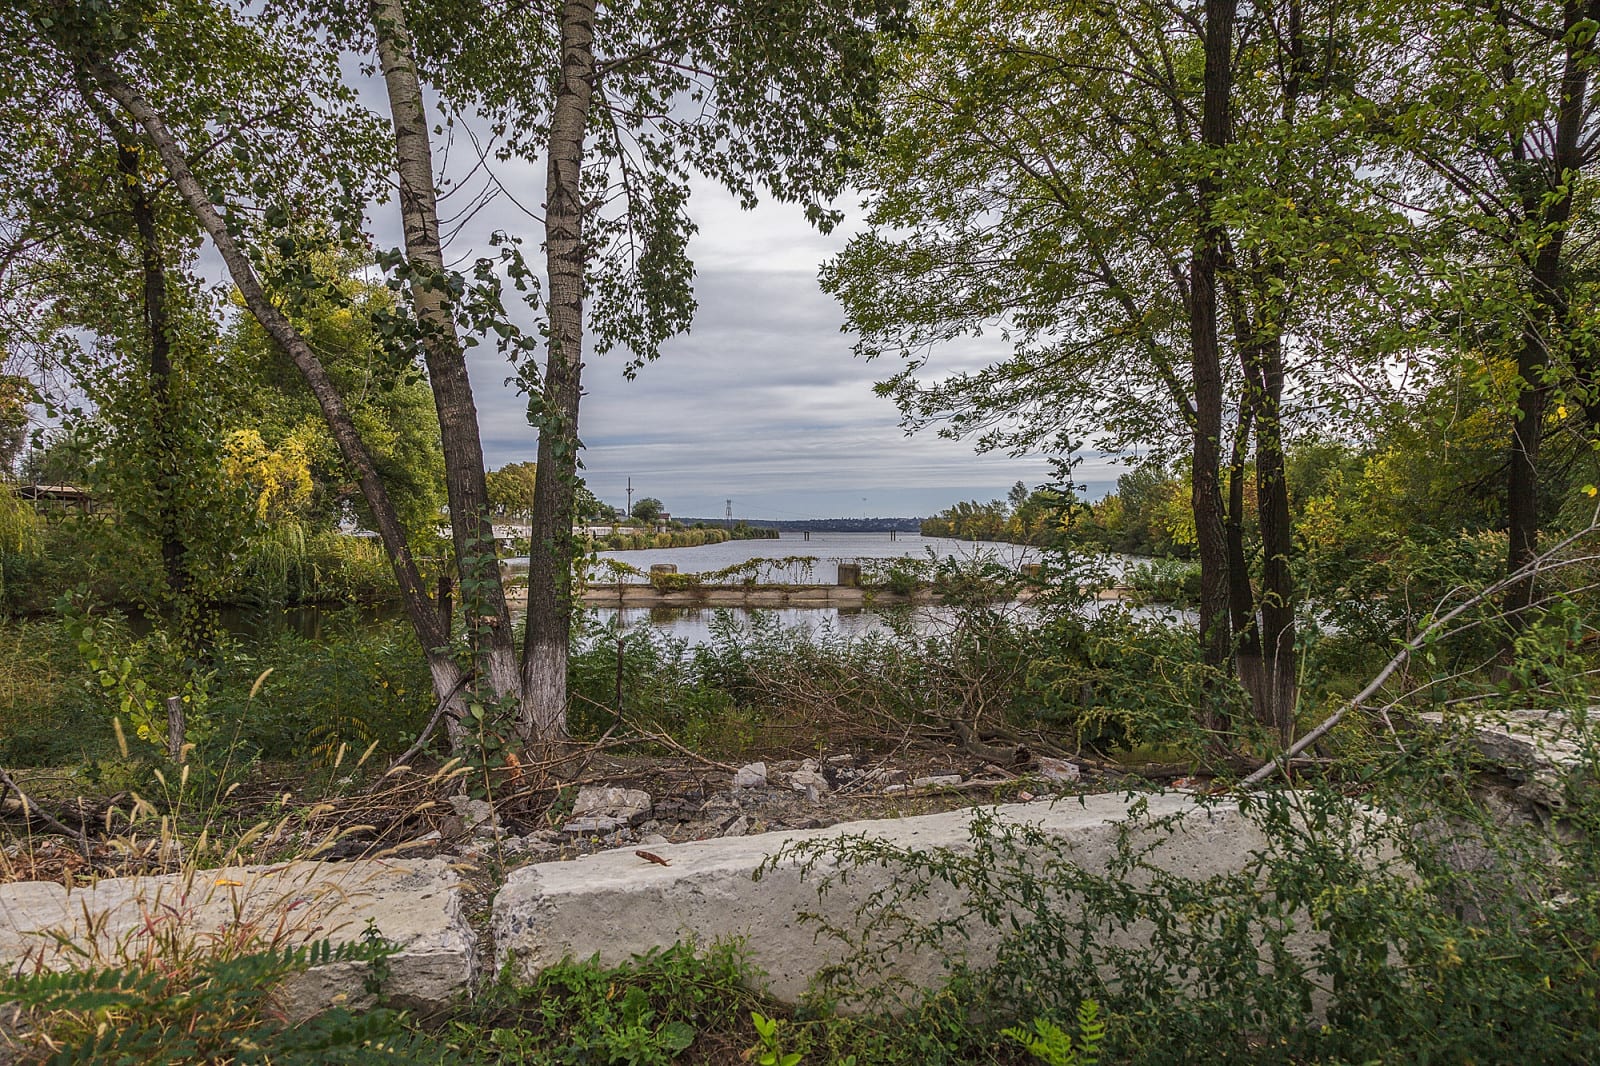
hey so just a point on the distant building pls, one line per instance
(57, 499)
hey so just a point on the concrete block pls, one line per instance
(416, 903)
(616, 904)
(1543, 750)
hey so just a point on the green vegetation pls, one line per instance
(1321, 273)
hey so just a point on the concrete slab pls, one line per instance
(415, 903)
(1542, 750)
(615, 903)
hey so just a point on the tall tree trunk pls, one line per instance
(430, 627)
(1215, 129)
(1276, 701)
(1548, 205)
(1241, 597)
(555, 412)
(158, 328)
(488, 621)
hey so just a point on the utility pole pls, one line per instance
(630, 497)
(727, 513)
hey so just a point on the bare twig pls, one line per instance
(433, 723)
(666, 741)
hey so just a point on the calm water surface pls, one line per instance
(828, 548)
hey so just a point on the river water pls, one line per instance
(696, 625)
(826, 547)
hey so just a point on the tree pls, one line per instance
(1495, 109)
(511, 489)
(787, 89)
(16, 393)
(1145, 200)
(647, 509)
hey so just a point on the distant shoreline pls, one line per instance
(819, 525)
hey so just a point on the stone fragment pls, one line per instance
(936, 781)
(593, 825)
(616, 802)
(737, 828)
(1059, 770)
(473, 812)
(1542, 750)
(751, 775)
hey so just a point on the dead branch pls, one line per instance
(29, 807)
(1546, 561)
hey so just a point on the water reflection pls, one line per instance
(696, 625)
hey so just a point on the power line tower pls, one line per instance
(630, 496)
(727, 513)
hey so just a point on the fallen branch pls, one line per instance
(1532, 568)
(433, 723)
(29, 807)
(663, 739)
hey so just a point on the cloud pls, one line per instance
(763, 401)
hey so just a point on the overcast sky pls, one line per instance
(762, 403)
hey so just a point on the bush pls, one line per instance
(1221, 970)
(1173, 581)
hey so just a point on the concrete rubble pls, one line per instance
(616, 903)
(1540, 751)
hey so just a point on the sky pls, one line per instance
(762, 403)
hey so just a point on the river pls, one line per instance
(827, 547)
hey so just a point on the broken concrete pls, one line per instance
(1542, 751)
(415, 904)
(615, 904)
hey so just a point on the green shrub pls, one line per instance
(199, 1011)
(1397, 967)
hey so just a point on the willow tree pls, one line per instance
(1145, 198)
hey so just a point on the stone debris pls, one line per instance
(594, 825)
(629, 805)
(737, 828)
(614, 905)
(753, 775)
(1058, 770)
(474, 812)
(936, 781)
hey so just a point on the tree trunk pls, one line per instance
(488, 621)
(1241, 597)
(555, 412)
(1548, 205)
(432, 632)
(167, 464)
(1215, 635)
(1276, 701)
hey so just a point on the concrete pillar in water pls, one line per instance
(850, 575)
